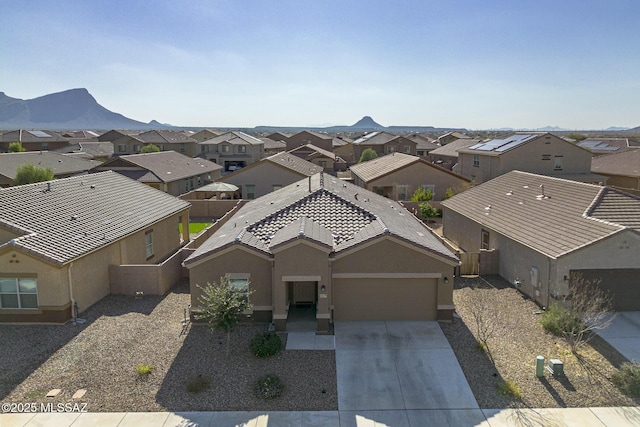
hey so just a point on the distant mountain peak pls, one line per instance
(367, 123)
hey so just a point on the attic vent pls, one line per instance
(510, 193)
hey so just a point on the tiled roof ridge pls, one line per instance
(14, 227)
(599, 199)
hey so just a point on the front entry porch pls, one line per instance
(303, 305)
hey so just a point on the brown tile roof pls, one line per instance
(293, 163)
(164, 137)
(315, 149)
(569, 216)
(622, 164)
(60, 163)
(65, 219)
(349, 214)
(375, 138)
(32, 136)
(451, 149)
(235, 138)
(605, 145)
(381, 166)
(163, 166)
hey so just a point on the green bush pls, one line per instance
(266, 344)
(144, 369)
(560, 321)
(269, 387)
(198, 384)
(509, 388)
(627, 379)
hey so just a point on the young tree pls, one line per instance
(448, 194)
(29, 173)
(150, 148)
(427, 211)
(222, 306)
(367, 154)
(421, 195)
(16, 147)
(586, 309)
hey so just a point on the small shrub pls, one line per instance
(266, 344)
(144, 369)
(269, 387)
(198, 384)
(627, 379)
(559, 321)
(509, 388)
(481, 346)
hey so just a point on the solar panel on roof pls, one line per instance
(475, 147)
(39, 134)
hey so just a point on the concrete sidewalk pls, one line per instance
(569, 417)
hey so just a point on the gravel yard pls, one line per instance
(517, 340)
(124, 332)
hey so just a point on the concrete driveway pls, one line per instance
(624, 334)
(398, 366)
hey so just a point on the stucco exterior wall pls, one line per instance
(621, 181)
(263, 176)
(528, 157)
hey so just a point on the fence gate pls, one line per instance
(470, 263)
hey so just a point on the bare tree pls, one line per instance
(485, 315)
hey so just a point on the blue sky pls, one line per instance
(474, 64)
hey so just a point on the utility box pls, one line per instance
(556, 367)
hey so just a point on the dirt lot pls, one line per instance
(123, 332)
(517, 340)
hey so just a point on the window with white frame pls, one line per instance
(401, 191)
(18, 293)
(476, 160)
(429, 187)
(136, 148)
(391, 149)
(484, 244)
(242, 148)
(225, 148)
(407, 149)
(557, 163)
(148, 238)
(239, 282)
(45, 146)
(122, 148)
(182, 148)
(251, 191)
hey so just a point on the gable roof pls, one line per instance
(381, 166)
(350, 215)
(24, 135)
(621, 164)
(499, 146)
(551, 215)
(234, 138)
(377, 138)
(284, 160)
(315, 150)
(270, 144)
(451, 149)
(60, 163)
(163, 166)
(309, 132)
(164, 137)
(604, 145)
(65, 219)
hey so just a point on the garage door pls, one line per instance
(384, 299)
(623, 284)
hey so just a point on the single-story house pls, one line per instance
(270, 174)
(397, 176)
(62, 165)
(622, 170)
(59, 239)
(546, 230)
(168, 171)
(320, 242)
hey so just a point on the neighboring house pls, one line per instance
(305, 137)
(272, 147)
(81, 136)
(424, 145)
(89, 149)
(450, 137)
(605, 146)
(346, 152)
(169, 140)
(205, 134)
(279, 136)
(115, 134)
(447, 155)
(59, 239)
(168, 171)
(383, 143)
(539, 152)
(327, 160)
(622, 170)
(326, 244)
(62, 165)
(397, 176)
(33, 140)
(232, 150)
(270, 174)
(547, 229)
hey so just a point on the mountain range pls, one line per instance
(77, 109)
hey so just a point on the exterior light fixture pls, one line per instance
(323, 289)
(446, 279)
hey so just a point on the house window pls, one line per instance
(148, 239)
(485, 240)
(122, 148)
(276, 187)
(391, 149)
(251, 191)
(202, 148)
(546, 157)
(136, 148)
(407, 149)
(45, 146)
(225, 148)
(182, 148)
(242, 148)
(323, 164)
(557, 163)
(401, 191)
(18, 292)
(476, 160)
(239, 282)
(429, 187)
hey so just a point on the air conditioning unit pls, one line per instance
(556, 367)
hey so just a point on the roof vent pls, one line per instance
(74, 217)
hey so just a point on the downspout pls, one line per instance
(73, 301)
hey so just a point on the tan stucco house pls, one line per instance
(397, 176)
(622, 170)
(536, 152)
(33, 140)
(232, 150)
(350, 253)
(547, 229)
(384, 143)
(446, 156)
(327, 160)
(167, 171)
(270, 174)
(58, 240)
(305, 137)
